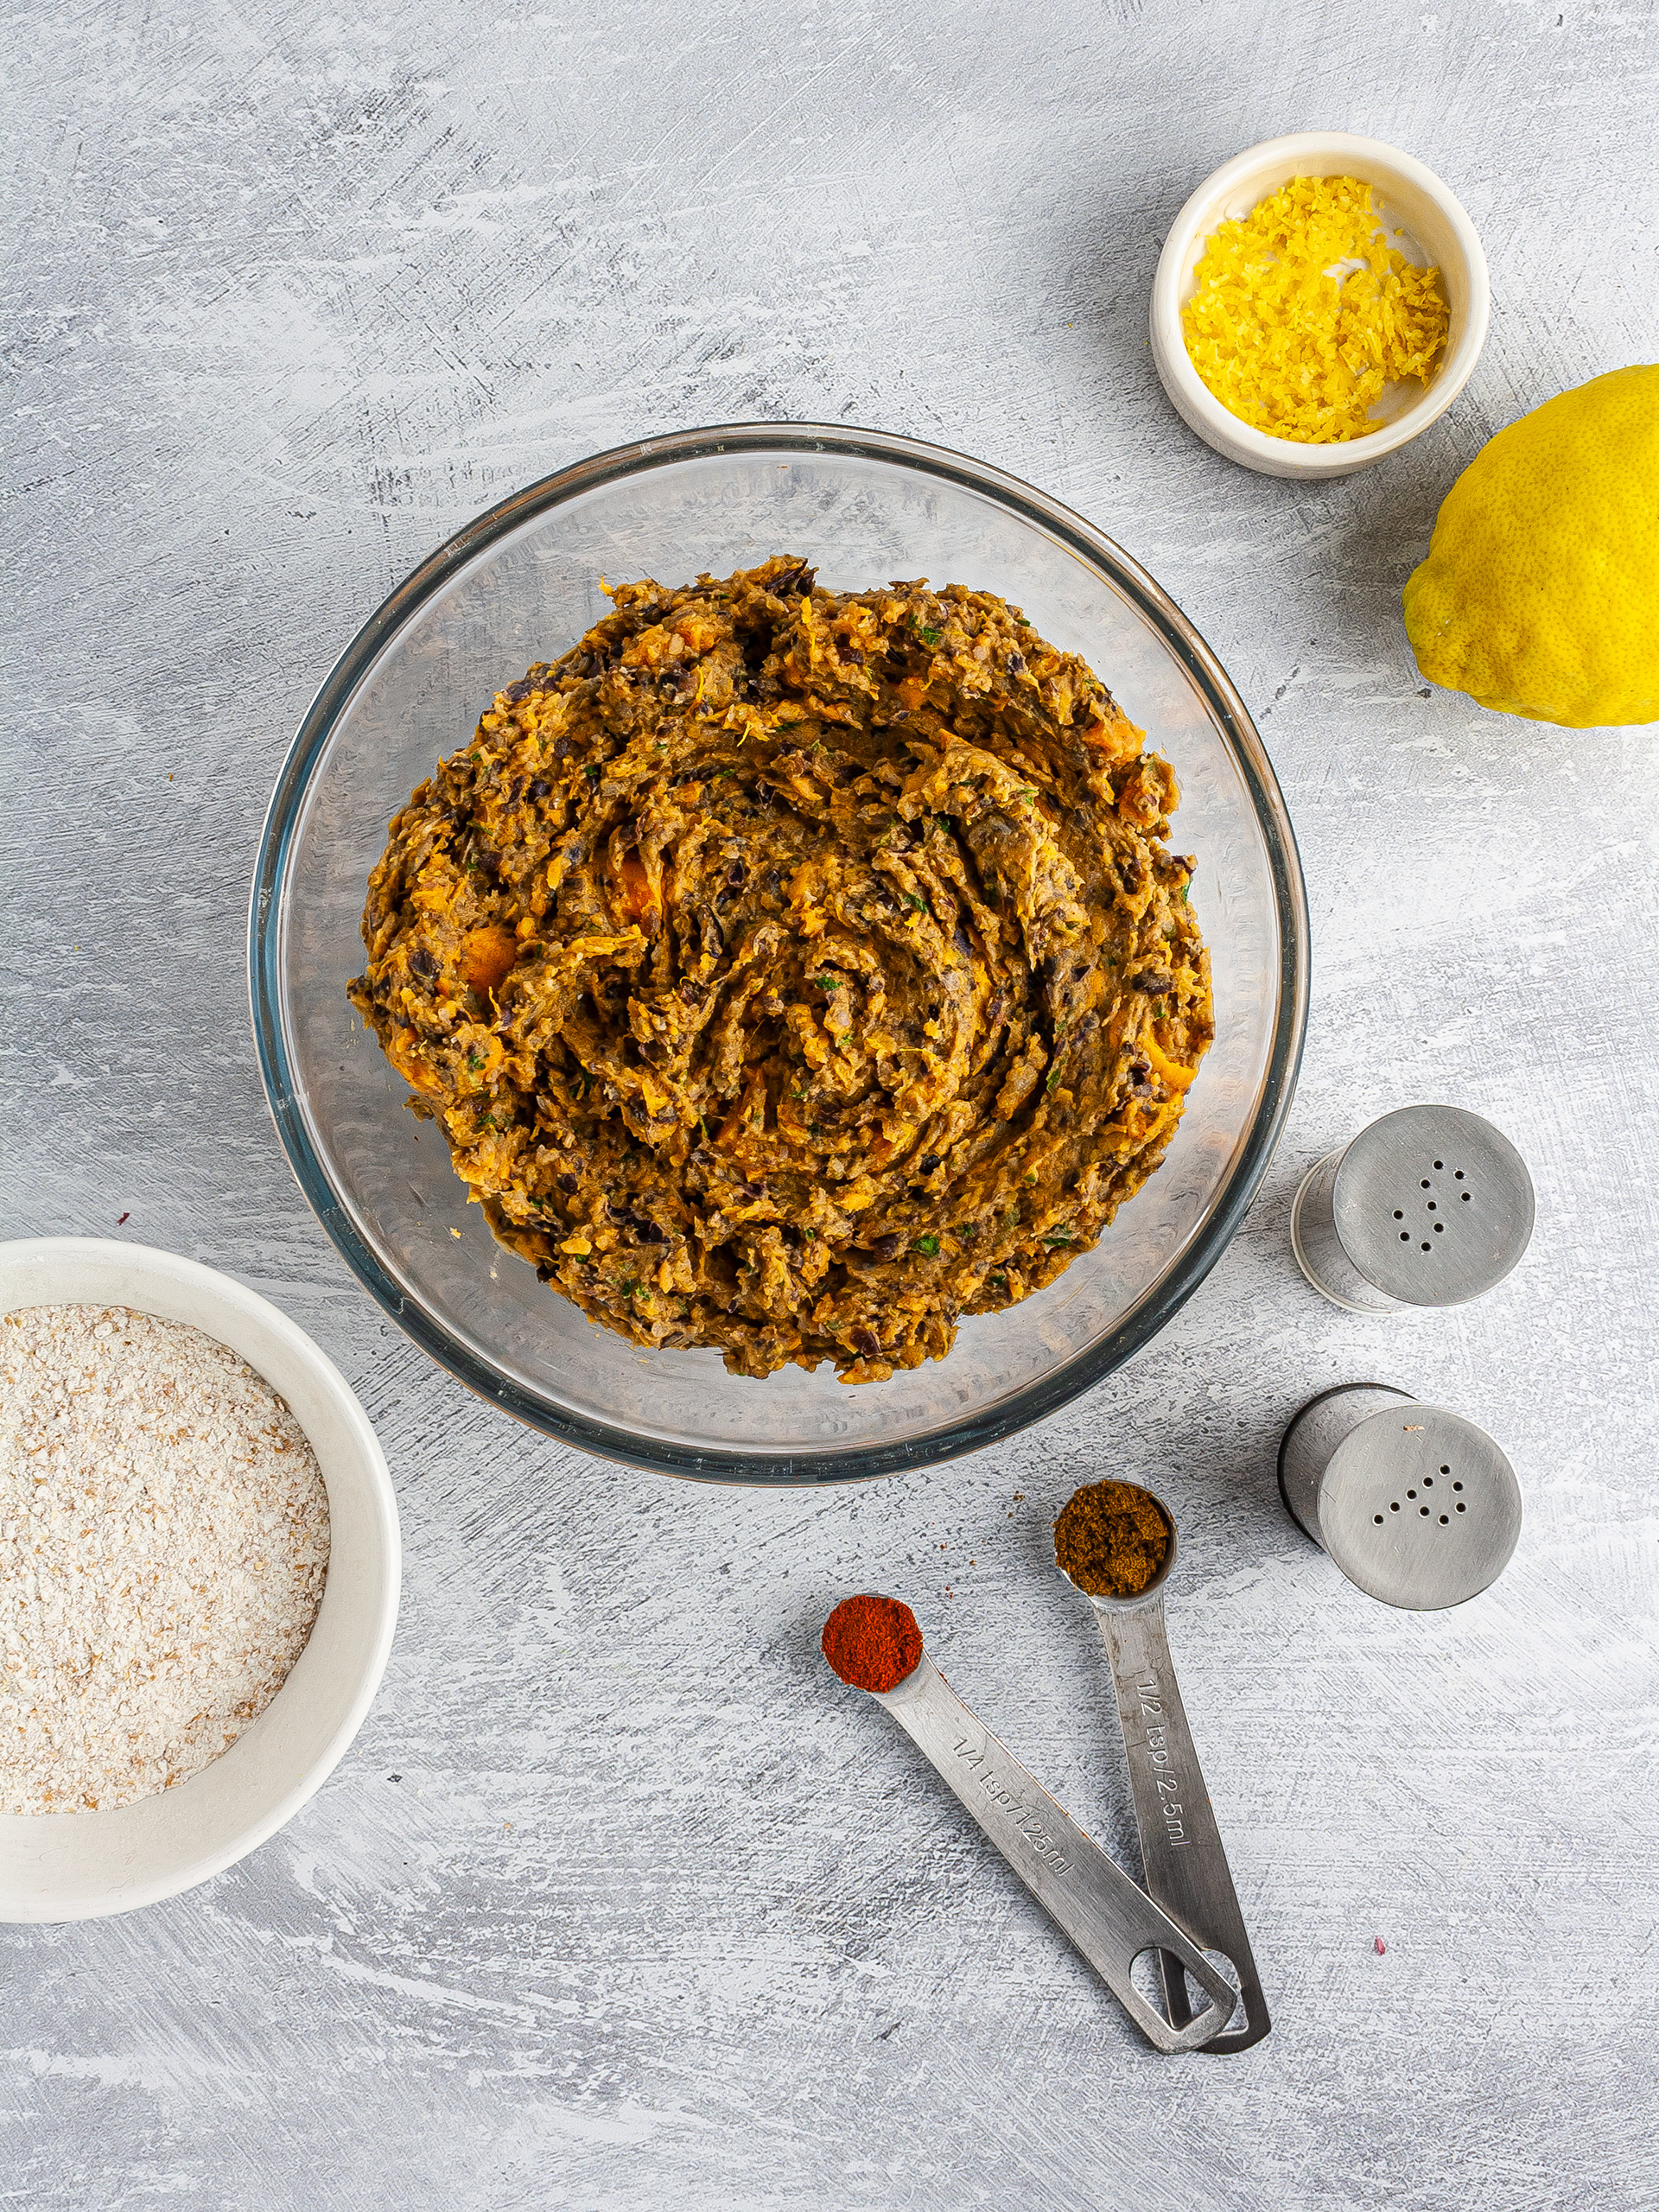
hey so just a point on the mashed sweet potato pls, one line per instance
(795, 971)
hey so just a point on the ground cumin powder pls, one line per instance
(1111, 1539)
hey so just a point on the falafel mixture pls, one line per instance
(795, 971)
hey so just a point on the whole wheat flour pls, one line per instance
(163, 1542)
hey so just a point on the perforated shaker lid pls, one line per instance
(1420, 1508)
(1433, 1204)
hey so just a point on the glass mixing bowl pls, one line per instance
(521, 584)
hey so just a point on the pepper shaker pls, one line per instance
(1417, 1506)
(1429, 1206)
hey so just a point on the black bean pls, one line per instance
(1154, 983)
(928, 1162)
(866, 1341)
(794, 580)
(568, 1185)
(737, 874)
(886, 1248)
(423, 963)
(540, 787)
(564, 749)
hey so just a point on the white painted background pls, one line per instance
(654, 1915)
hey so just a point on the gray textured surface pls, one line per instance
(654, 1913)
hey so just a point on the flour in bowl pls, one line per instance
(163, 1543)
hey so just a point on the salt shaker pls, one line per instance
(1417, 1506)
(1429, 1206)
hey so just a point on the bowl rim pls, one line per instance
(1242, 441)
(119, 1262)
(1161, 1299)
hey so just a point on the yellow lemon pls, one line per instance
(1539, 595)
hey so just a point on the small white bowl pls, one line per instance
(1408, 197)
(58, 1866)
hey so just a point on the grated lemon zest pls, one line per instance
(1288, 340)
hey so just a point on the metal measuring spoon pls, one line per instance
(1181, 1852)
(1081, 1889)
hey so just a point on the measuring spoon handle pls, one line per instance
(1181, 1848)
(1084, 1890)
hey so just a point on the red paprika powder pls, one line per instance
(872, 1643)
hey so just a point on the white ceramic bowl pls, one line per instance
(1408, 197)
(61, 1867)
